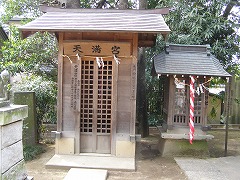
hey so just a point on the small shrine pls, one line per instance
(185, 72)
(97, 75)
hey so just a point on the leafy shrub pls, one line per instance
(154, 119)
(46, 93)
(31, 152)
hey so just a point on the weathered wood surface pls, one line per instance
(171, 107)
(60, 83)
(97, 48)
(45, 8)
(146, 24)
(99, 36)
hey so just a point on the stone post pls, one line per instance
(28, 98)
(11, 155)
(11, 121)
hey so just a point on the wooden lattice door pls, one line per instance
(96, 107)
(180, 116)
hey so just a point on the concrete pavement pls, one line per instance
(224, 168)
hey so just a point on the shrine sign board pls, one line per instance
(97, 48)
(75, 86)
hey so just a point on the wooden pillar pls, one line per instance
(171, 103)
(77, 113)
(114, 109)
(204, 104)
(60, 83)
(134, 84)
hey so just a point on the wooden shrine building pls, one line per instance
(97, 75)
(174, 67)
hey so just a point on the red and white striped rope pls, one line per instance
(191, 120)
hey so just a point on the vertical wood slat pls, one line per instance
(95, 108)
(205, 104)
(171, 102)
(60, 83)
(114, 107)
(203, 109)
(77, 113)
(134, 83)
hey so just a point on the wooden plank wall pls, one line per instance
(124, 101)
(68, 114)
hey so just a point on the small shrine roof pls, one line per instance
(188, 60)
(95, 20)
(3, 35)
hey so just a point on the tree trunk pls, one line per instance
(123, 4)
(229, 7)
(73, 4)
(143, 127)
(142, 4)
(101, 3)
(142, 120)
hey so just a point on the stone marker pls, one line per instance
(30, 133)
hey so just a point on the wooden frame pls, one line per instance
(171, 103)
(60, 73)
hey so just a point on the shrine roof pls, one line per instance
(85, 20)
(3, 35)
(188, 60)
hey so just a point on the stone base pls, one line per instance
(30, 178)
(182, 147)
(4, 103)
(17, 171)
(64, 146)
(125, 149)
(91, 161)
(12, 113)
(11, 150)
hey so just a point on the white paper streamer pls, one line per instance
(201, 88)
(100, 62)
(206, 88)
(78, 57)
(117, 60)
(198, 90)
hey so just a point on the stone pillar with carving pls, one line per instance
(11, 120)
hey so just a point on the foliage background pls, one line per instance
(45, 91)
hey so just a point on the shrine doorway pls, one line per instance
(181, 102)
(96, 106)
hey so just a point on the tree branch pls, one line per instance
(100, 4)
(229, 7)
